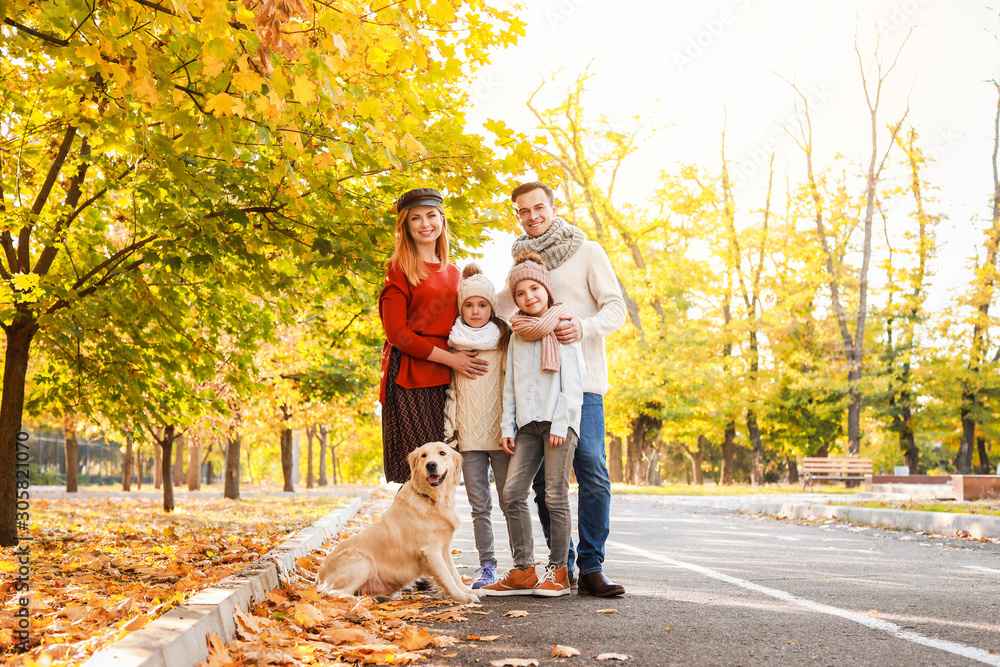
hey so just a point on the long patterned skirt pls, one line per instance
(410, 418)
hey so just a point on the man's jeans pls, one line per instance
(594, 509)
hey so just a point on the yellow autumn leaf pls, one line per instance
(606, 611)
(24, 281)
(341, 45)
(307, 615)
(211, 66)
(220, 105)
(369, 108)
(304, 90)
(415, 639)
(516, 613)
(560, 651)
(413, 147)
(143, 86)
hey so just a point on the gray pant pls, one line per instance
(476, 472)
(531, 449)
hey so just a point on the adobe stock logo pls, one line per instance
(711, 30)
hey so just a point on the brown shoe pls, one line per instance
(554, 584)
(598, 585)
(514, 582)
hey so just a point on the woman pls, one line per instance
(418, 306)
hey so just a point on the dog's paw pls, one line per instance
(467, 598)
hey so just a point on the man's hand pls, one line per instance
(555, 440)
(508, 445)
(570, 329)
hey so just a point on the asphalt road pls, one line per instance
(709, 586)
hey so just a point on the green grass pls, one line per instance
(716, 490)
(983, 507)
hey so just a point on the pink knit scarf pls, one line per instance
(544, 328)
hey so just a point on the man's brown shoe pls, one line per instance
(598, 585)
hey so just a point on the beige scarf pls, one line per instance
(544, 328)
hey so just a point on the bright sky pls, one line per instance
(679, 64)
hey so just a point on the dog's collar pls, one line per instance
(429, 499)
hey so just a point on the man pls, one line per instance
(583, 279)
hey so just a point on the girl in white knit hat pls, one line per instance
(473, 407)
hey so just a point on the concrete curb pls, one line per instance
(941, 523)
(178, 638)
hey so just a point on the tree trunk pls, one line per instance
(310, 434)
(139, 467)
(179, 461)
(167, 445)
(127, 465)
(641, 426)
(728, 454)
(194, 466)
(984, 467)
(756, 450)
(286, 449)
(72, 457)
(696, 457)
(232, 490)
(19, 335)
(157, 466)
(321, 432)
(854, 410)
(249, 468)
(963, 461)
(615, 458)
(907, 441)
(286, 458)
(793, 470)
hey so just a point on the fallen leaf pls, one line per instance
(606, 611)
(489, 638)
(516, 613)
(415, 639)
(559, 651)
(515, 662)
(613, 656)
(217, 651)
(666, 629)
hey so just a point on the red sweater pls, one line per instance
(416, 320)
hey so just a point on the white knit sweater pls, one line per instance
(473, 406)
(587, 284)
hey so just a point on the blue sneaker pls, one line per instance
(486, 575)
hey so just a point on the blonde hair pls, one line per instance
(404, 255)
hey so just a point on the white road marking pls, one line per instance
(981, 569)
(970, 652)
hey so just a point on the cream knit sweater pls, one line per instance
(474, 406)
(587, 284)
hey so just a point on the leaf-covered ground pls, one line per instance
(103, 567)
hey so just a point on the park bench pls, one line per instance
(836, 469)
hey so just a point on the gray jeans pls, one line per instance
(476, 472)
(531, 449)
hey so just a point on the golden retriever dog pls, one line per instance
(412, 539)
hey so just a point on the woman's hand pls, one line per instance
(463, 361)
(508, 445)
(555, 440)
(468, 364)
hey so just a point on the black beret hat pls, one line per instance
(419, 197)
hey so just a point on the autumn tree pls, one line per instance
(268, 135)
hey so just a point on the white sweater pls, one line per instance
(473, 406)
(587, 284)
